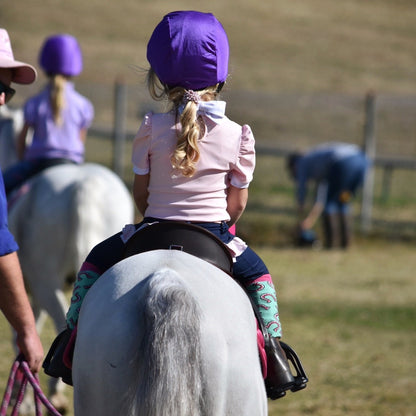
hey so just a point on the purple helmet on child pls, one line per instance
(189, 49)
(61, 54)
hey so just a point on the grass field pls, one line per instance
(351, 318)
(299, 73)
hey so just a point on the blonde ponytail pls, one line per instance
(186, 153)
(57, 97)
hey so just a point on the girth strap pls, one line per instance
(175, 235)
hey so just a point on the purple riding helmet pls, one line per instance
(189, 49)
(61, 54)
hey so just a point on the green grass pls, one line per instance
(351, 318)
(375, 317)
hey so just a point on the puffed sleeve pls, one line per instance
(88, 113)
(242, 172)
(141, 146)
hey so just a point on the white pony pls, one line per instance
(166, 333)
(11, 122)
(66, 211)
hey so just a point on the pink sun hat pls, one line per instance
(23, 73)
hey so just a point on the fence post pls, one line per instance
(119, 138)
(370, 151)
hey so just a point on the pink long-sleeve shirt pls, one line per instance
(227, 156)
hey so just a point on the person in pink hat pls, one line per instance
(11, 70)
(58, 115)
(14, 302)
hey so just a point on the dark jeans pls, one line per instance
(25, 169)
(346, 175)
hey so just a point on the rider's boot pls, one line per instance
(330, 230)
(263, 296)
(346, 230)
(56, 362)
(279, 377)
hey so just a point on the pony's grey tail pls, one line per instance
(171, 372)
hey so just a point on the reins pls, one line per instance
(26, 376)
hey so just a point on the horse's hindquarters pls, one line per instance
(193, 304)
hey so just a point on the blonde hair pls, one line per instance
(186, 153)
(57, 96)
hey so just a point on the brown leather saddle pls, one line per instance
(182, 236)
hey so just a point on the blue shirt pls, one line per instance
(7, 242)
(316, 164)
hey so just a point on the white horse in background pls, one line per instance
(166, 333)
(66, 210)
(11, 122)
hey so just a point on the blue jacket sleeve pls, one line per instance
(7, 242)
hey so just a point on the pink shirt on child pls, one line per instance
(227, 156)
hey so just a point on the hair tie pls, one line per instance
(191, 95)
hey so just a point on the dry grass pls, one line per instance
(317, 45)
(299, 70)
(350, 316)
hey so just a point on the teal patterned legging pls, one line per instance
(263, 294)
